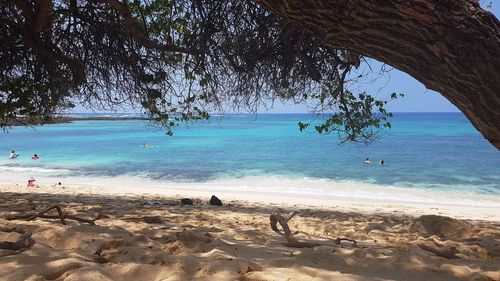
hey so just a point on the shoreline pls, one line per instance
(362, 198)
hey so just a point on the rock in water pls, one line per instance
(186, 201)
(215, 201)
(443, 227)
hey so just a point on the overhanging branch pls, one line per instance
(140, 35)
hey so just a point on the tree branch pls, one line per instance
(23, 242)
(34, 24)
(139, 35)
(44, 12)
(60, 215)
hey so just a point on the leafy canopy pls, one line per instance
(179, 60)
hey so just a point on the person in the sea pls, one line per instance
(382, 162)
(13, 154)
(35, 157)
(145, 145)
(368, 161)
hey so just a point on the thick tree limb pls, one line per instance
(44, 12)
(452, 46)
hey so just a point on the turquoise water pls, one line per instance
(425, 150)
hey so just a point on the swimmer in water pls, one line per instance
(367, 161)
(13, 155)
(382, 162)
(145, 145)
(35, 157)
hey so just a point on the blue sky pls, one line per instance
(417, 98)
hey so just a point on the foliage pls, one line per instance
(179, 60)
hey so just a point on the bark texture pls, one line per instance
(451, 46)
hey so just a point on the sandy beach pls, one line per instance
(168, 241)
(249, 140)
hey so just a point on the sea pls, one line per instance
(424, 151)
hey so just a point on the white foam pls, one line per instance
(32, 169)
(273, 185)
(349, 190)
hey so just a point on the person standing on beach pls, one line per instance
(31, 182)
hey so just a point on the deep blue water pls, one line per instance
(427, 150)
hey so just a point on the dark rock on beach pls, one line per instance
(186, 201)
(215, 201)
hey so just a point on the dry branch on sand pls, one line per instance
(23, 242)
(60, 215)
(276, 218)
(445, 252)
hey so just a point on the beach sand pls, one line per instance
(134, 241)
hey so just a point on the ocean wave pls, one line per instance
(32, 169)
(351, 189)
(280, 185)
(300, 184)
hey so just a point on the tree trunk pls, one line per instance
(451, 46)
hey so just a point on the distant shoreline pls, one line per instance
(22, 121)
(66, 119)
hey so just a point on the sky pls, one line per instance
(417, 98)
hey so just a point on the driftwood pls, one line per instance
(60, 215)
(289, 236)
(146, 219)
(277, 217)
(338, 240)
(445, 252)
(23, 242)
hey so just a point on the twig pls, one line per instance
(354, 243)
(338, 240)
